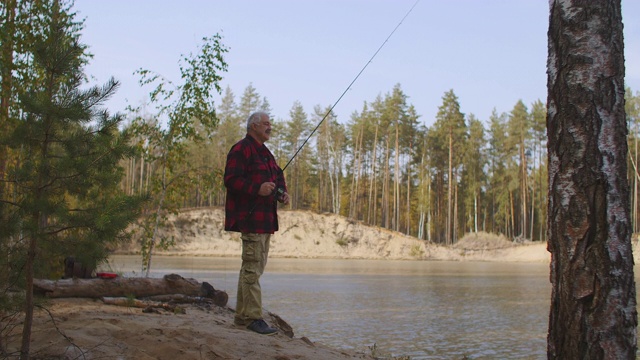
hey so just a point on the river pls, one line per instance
(421, 309)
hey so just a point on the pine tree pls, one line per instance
(66, 200)
(473, 177)
(519, 130)
(448, 138)
(296, 131)
(498, 177)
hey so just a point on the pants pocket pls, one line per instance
(249, 276)
(250, 251)
(249, 272)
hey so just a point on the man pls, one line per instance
(254, 183)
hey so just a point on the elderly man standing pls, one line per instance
(255, 183)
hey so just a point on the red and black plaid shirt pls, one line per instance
(250, 164)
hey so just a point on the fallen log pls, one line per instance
(145, 304)
(219, 297)
(128, 287)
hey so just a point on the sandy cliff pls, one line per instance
(305, 234)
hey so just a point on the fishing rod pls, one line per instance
(347, 89)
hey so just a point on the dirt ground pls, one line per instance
(78, 328)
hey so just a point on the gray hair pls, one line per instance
(256, 118)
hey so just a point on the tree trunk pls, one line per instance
(396, 181)
(154, 234)
(523, 190)
(541, 199)
(28, 303)
(6, 86)
(386, 214)
(454, 231)
(533, 197)
(593, 301)
(408, 231)
(512, 216)
(634, 211)
(355, 177)
(448, 240)
(373, 190)
(429, 214)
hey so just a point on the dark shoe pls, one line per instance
(261, 327)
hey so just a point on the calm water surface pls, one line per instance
(424, 309)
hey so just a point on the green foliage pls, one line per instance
(416, 251)
(342, 241)
(131, 300)
(67, 196)
(185, 117)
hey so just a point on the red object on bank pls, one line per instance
(106, 275)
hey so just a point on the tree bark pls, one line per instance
(593, 301)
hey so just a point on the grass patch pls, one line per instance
(342, 242)
(416, 251)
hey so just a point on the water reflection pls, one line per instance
(427, 310)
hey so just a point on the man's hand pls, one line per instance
(285, 198)
(266, 189)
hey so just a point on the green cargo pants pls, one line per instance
(255, 250)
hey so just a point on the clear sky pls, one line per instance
(492, 53)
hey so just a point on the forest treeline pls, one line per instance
(385, 167)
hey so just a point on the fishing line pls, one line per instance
(349, 87)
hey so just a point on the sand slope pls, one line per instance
(304, 234)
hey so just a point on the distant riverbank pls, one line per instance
(304, 234)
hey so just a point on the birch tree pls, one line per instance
(185, 113)
(331, 145)
(593, 299)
